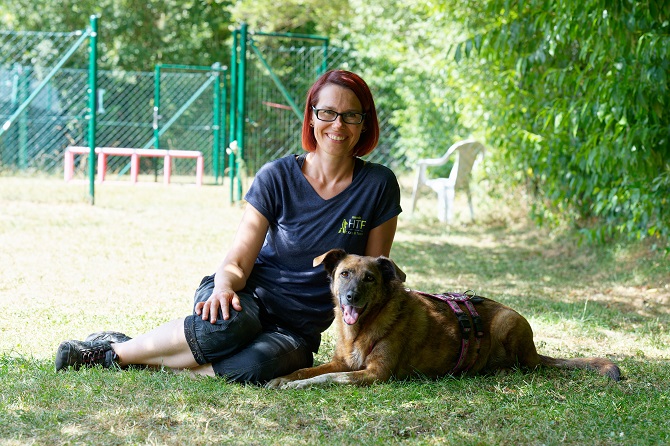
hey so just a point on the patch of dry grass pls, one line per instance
(130, 262)
(133, 260)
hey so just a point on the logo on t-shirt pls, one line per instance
(353, 226)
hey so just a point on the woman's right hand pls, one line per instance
(233, 272)
(220, 299)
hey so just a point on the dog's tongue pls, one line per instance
(349, 314)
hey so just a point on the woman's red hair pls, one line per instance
(368, 139)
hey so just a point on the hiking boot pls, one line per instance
(86, 354)
(114, 337)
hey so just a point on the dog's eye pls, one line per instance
(344, 274)
(369, 278)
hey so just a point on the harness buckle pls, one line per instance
(479, 326)
(464, 322)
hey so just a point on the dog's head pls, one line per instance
(359, 283)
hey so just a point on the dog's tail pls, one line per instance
(601, 365)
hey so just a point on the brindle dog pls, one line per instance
(386, 331)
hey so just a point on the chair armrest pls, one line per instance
(431, 162)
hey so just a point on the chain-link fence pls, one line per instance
(184, 120)
(273, 127)
(176, 107)
(33, 138)
(39, 126)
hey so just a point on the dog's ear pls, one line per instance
(390, 270)
(330, 259)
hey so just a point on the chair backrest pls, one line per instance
(468, 151)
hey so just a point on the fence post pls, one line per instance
(223, 122)
(241, 102)
(216, 72)
(157, 117)
(233, 117)
(92, 109)
(23, 90)
(157, 104)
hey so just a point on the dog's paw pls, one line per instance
(277, 383)
(298, 384)
(283, 383)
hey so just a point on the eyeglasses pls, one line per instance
(331, 115)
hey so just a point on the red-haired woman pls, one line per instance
(262, 313)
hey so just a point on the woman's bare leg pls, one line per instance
(203, 370)
(164, 346)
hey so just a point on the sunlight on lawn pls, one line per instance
(133, 261)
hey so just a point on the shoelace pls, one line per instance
(94, 354)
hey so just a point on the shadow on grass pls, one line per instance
(538, 273)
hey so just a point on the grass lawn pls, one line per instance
(133, 260)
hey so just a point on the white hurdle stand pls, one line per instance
(134, 154)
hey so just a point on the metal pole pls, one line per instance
(241, 101)
(223, 122)
(292, 35)
(233, 115)
(157, 116)
(216, 120)
(324, 63)
(157, 104)
(92, 96)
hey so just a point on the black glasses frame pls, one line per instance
(346, 116)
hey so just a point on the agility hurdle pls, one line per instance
(134, 154)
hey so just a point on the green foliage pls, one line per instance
(135, 35)
(295, 16)
(585, 88)
(404, 47)
(131, 261)
(571, 97)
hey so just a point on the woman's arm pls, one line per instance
(381, 239)
(232, 274)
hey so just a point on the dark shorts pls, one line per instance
(241, 348)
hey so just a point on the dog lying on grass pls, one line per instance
(386, 331)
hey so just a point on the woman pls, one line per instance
(262, 313)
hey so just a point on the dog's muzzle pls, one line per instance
(351, 309)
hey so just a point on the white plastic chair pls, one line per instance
(468, 153)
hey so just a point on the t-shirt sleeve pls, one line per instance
(262, 193)
(388, 203)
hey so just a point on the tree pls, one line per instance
(294, 16)
(586, 89)
(135, 35)
(570, 96)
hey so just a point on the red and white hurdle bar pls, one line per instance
(134, 154)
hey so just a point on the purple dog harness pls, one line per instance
(468, 299)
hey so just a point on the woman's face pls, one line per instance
(336, 138)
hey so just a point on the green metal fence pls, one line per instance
(39, 101)
(44, 103)
(44, 107)
(276, 71)
(189, 104)
(175, 107)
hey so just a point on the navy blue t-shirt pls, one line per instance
(294, 295)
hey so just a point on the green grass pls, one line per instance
(133, 260)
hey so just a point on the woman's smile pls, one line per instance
(336, 137)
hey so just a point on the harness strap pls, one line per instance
(479, 332)
(466, 328)
(467, 299)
